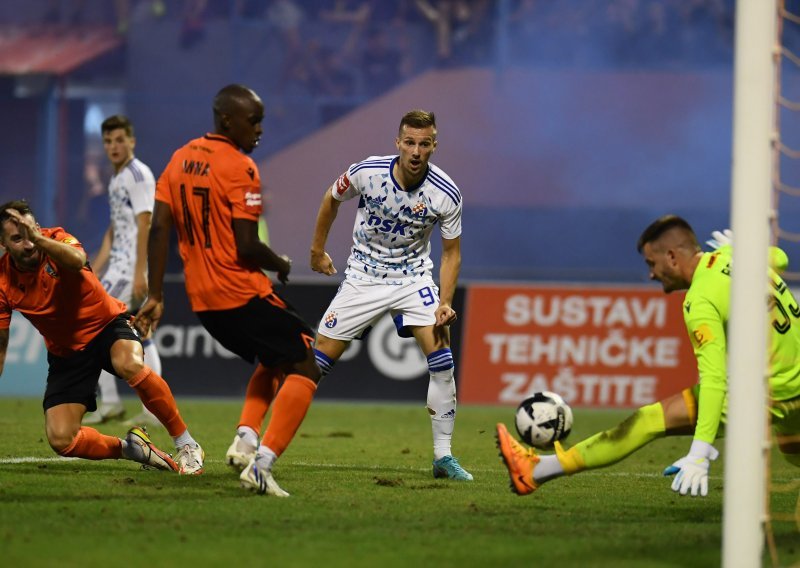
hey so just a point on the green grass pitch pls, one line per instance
(362, 495)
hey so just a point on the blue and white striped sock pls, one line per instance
(325, 363)
(440, 360)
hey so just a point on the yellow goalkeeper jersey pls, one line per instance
(705, 312)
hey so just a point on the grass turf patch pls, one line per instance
(362, 495)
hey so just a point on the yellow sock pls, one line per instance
(609, 447)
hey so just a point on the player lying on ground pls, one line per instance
(672, 253)
(46, 278)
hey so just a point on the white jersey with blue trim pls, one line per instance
(130, 193)
(392, 231)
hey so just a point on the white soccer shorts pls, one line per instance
(118, 286)
(358, 305)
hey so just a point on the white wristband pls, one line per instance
(703, 449)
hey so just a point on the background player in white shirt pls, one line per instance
(121, 262)
(401, 198)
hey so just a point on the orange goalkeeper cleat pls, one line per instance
(519, 461)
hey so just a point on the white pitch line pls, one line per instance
(333, 466)
(383, 467)
(31, 459)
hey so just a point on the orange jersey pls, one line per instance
(68, 308)
(207, 184)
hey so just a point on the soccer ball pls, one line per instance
(543, 419)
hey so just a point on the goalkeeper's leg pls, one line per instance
(673, 416)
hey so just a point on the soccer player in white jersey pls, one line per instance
(400, 200)
(122, 259)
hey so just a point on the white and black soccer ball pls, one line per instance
(543, 419)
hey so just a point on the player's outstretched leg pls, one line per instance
(519, 461)
(155, 393)
(138, 447)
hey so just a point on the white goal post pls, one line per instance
(746, 430)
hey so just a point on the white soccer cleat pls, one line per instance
(240, 453)
(190, 460)
(104, 413)
(260, 480)
(139, 448)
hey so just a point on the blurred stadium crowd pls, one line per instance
(675, 33)
(315, 61)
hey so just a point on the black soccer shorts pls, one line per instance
(74, 378)
(267, 329)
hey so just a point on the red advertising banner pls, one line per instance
(604, 347)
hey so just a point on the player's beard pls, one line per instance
(28, 261)
(670, 284)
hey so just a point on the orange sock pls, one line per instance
(157, 398)
(290, 408)
(92, 445)
(260, 391)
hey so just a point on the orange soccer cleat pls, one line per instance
(519, 461)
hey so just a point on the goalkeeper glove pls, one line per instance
(778, 260)
(692, 470)
(720, 239)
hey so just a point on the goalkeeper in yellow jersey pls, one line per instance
(670, 249)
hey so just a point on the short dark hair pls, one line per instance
(660, 226)
(418, 119)
(19, 204)
(229, 97)
(115, 122)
